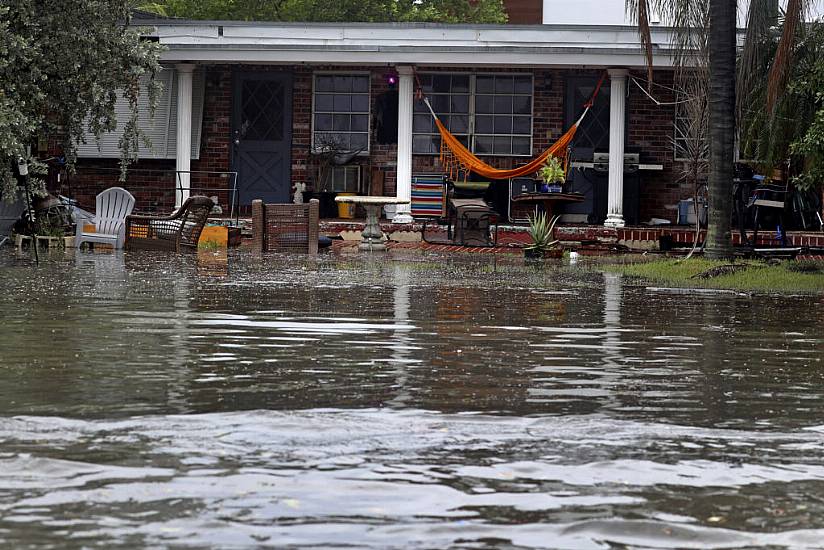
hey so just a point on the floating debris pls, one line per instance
(720, 270)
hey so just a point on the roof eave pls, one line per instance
(515, 56)
(420, 43)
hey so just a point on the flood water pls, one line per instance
(400, 401)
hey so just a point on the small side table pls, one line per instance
(372, 236)
(547, 200)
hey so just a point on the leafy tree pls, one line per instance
(445, 11)
(62, 65)
(720, 31)
(715, 20)
(794, 130)
(810, 146)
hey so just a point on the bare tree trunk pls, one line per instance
(722, 38)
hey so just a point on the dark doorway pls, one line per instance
(592, 136)
(262, 135)
(386, 118)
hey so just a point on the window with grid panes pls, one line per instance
(490, 114)
(503, 115)
(340, 114)
(449, 96)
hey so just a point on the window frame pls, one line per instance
(470, 108)
(471, 133)
(678, 137)
(368, 112)
(329, 186)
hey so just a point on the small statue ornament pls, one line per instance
(300, 187)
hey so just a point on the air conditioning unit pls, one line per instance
(342, 179)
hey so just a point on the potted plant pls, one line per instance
(541, 231)
(552, 174)
(52, 232)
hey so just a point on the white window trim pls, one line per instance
(471, 134)
(368, 74)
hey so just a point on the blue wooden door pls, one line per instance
(262, 135)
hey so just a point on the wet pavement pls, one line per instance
(408, 400)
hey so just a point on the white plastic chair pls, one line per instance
(113, 205)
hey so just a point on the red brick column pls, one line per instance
(258, 226)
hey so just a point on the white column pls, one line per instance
(402, 339)
(184, 131)
(612, 349)
(404, 173)
(617, 129)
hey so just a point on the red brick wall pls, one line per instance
(151, 182)
(524, 12)
(301, 123)
(216, 138)
(650, 130)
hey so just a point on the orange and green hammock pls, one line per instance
(456, 159)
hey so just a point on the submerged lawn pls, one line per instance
(785, 277)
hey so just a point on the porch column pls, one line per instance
(617, 129)
(184, 131)
(404, 168)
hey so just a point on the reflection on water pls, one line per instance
(418, 401)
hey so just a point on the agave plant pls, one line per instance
(541, 230)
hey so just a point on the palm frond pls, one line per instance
(645, 36)
(689, 20)
(777, 83)
(761, 17)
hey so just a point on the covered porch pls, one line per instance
(263, 101)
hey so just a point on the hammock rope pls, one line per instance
(457, 160)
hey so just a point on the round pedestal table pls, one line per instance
(372, 236)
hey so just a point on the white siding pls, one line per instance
(585, 12)
(161, 129)
(613, 12)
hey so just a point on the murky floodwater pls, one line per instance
(400, 402)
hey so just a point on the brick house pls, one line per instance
(258, 99)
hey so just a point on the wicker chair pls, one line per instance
(180, 230)
(285, 227)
